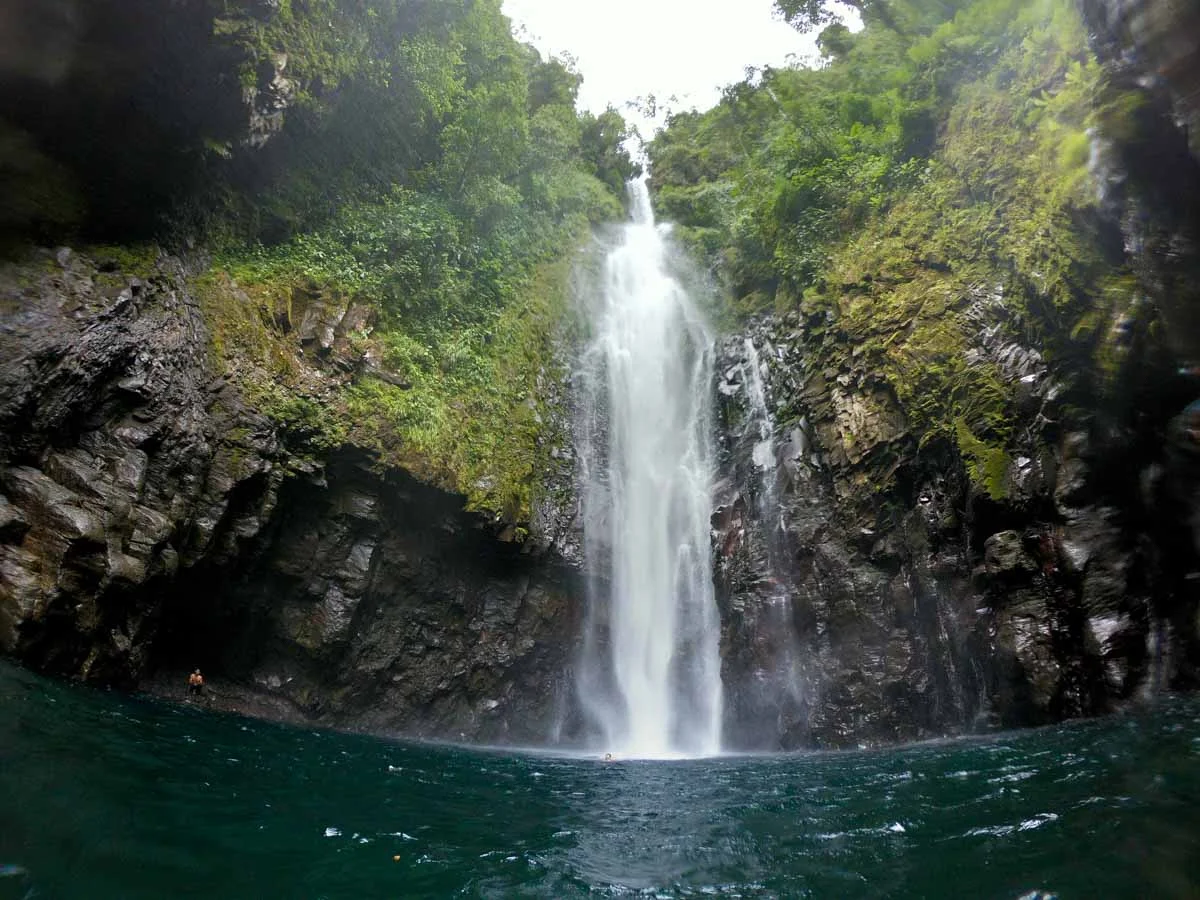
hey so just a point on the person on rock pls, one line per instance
(196, 683)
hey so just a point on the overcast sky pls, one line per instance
(627, 49)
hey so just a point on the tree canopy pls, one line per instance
(938, 156)
(436, 169)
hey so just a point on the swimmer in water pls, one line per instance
(608, 757)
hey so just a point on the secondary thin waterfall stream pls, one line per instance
(780, 685)
(649, 678)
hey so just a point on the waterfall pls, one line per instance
(781, 685)
(759, 418)
(649, 679)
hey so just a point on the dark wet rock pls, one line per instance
(378, 604)
(834, 623)
(268, 99)
(151, 521)
(1159, 41)
(1138, 534)
(115, 464)
(899, 600)
(1149, 159)
(1004, 554)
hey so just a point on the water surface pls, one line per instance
(105, 796)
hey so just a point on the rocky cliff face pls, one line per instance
(876, 585)
(151, 521)
(1149, 159)
(125, 460)
(1156, 41)
(861, 614)
(377, 603)
(856, 613)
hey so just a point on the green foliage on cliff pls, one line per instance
(434, 170)
(386, 189)
(922, 199)
(432, 96)
(472, 411)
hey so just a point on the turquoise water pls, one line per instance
(105, 796)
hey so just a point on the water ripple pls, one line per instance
(106, 797)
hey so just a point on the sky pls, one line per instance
(688, 49)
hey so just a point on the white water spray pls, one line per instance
(650, 674)
(783, 683)
(760, 418)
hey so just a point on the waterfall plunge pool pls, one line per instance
(108, 796)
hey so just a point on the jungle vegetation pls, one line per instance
(437, 169)
(922, 199)
(407, 158)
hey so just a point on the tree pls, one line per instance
(602, 149)
(552, 82)
(835, 41)
(807, 15)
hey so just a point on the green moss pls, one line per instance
(474, 416)
(138, 260)
(923, 202)
(240, 328)
(466, 409)
(987, 465)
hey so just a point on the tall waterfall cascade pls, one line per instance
(649, 679)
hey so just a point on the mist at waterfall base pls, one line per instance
(107, 796)
(649, 679)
